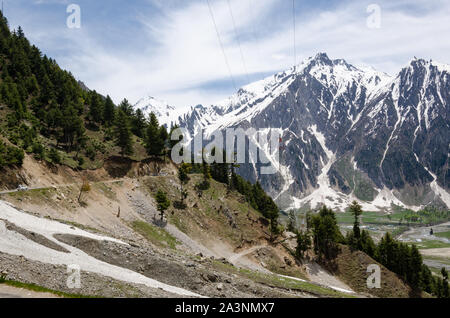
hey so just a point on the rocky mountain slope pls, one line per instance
(217, 247)
(347, 133)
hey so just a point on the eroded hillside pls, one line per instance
(219, 246)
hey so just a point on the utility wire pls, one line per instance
(255, 35)
(221, 45)
(239, 42)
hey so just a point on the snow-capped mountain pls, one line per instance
(167, 114)
(348, 133)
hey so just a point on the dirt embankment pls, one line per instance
(35, 173)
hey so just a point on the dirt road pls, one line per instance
(59, 186)
(14, 292)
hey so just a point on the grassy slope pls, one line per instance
(443, 234)
(216, 214)
(155, 234)
(352, 269)
(427, 244)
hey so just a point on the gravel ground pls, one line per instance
(40, 239)
(109, 267)
(177, 269)
(55, 277)
(148, 212)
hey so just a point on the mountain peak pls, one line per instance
(417, 63)
(167, 114)
(321, 58)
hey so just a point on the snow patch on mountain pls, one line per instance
(324, 193)
(342, 94)
(437, 189)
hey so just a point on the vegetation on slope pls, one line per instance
(254, 194)
(400, 258)
(44, 111)
(154, 234)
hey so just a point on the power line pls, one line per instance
(255, 35)
(239, 42)
(295, 45)
(221, 45)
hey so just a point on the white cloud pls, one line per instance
(183, 50)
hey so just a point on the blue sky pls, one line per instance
(169, 48)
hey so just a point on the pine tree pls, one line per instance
(126, 108)
(367, 244)
(123, 134)
(220, 170)
(269, 210)
(326, 233)
(415, 267)
(138, 123)
(164, 137)
(54, 156)
(427, 280)
(72, 127)
(153, 142)
(10, 156)
(292, 222)
(356, 210)
(303, 243)
(96, 109)
(183, 176)
(163, 202)
(206, 173)
(20, 33)
(109, 111)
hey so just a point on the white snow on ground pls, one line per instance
(16, 244)
(384, 199)
(438, 190)
(324, 194)
(395, 97)
(347, 291)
